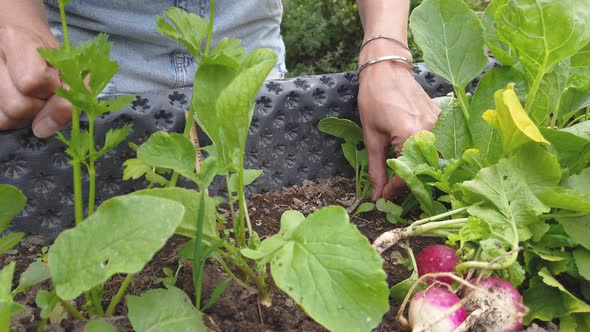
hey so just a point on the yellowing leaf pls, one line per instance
(512, 121)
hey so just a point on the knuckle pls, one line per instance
(18, 109)
(7, 33)
(30, 81)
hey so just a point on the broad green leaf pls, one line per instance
(5, 297)
(573, 151)
(190, 199)
(445, 103)
(36, 273)
(113, 138)
(169, 150)
(543, 32)
(164, 310)
(227, 52)
(186, 28)
(350, 153)
(209, 168)
(580, 69)
(10, 241)
(422, 193)
(500, 50)
(539, 168)
(577, 228)
(572, 303)
(474, 230)
(509, 199)
(572, 100)
(452, 134)
(12, 201)
(365, 207)
(290, 220)
(329, 268)
(486, 139)
(574, 323)
(580, 182)
(547, 98)
(511, 120)
(235, 105)
(341, 128)
(582, 259)
(567, 199)
(120, 237)
(420, 149)
(46, 301)
(452, 39)
(581, 130)
(99, 326)
(543, 301)
(250, 175)
(399, 291)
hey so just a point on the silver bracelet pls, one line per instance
(395, 40)
(406, 61)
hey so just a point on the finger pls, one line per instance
(394, 187)
(29, 72)
(7, 123)
(13, 104)
(377, 169)
(56, 114)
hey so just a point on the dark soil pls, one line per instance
(238, 308)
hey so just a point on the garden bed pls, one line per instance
(237, 309)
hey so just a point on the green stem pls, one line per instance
(78, 199)
(533, 91)
(42, 325)
(71, 310)
(64, 25)
(230, 202)
(97, 301)
(119, 295)
(197, 265)
(91, 168)
(229, 272)
(567, 215)
(210, 27)
(236, 259)
(462, 97)
(241, 209)
(425, 228)
(443, 215)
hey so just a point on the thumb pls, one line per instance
(377, 169)
(56, 114)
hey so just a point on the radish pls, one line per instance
(498, 303)
(432, 310)
(436, 259)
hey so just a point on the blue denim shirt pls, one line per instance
(150, 61)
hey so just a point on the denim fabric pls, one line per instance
(150, 61)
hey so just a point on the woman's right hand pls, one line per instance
(27, 82)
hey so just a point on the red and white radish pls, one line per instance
(499, 305)
(436, 259)
(432, 310)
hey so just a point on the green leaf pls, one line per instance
(120, 237)
(573, 151)
(36, 273)
(488, 140)
(571, 302)
(574, 323)
(219, 289)
(329, 268)
(567, 199)
(500, 50)
(580, 69)
(99, 326)
(10, 241)
(577, 228)
(12, 201)
(190, 199)
(582, 259)
(186, 28)
(46, 301)
(227, 53)
(543, 32)
(365, 207)
(452, 39)
(452, 134)
(572, 100)
(581, 130)
(169, 150)
(209, 169)
(113, 138)
(547, 99)
(5, 297)
(423, 194)
(579, 182)
(341, 128)
(393, 211)
(399, 291)
(164, 310)
(135, 168)
(543, 301)
(250, 175)
(509, 200)
(420, 149)
(539, 168)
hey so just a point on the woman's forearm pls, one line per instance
(384, 17)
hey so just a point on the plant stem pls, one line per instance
(119, 295)
(462, 97)
(229, 271)
(533, 91)
(197, 265)
(210, 27)
(91, 168)
(71, 310)
(42, 325)
(97, 301)
(230, 202)
(443, 215)
(236, 259)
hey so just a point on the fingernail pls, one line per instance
(45, 128)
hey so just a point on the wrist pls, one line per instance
(382, 47)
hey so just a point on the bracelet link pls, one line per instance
(406, 61)
(395, 40)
